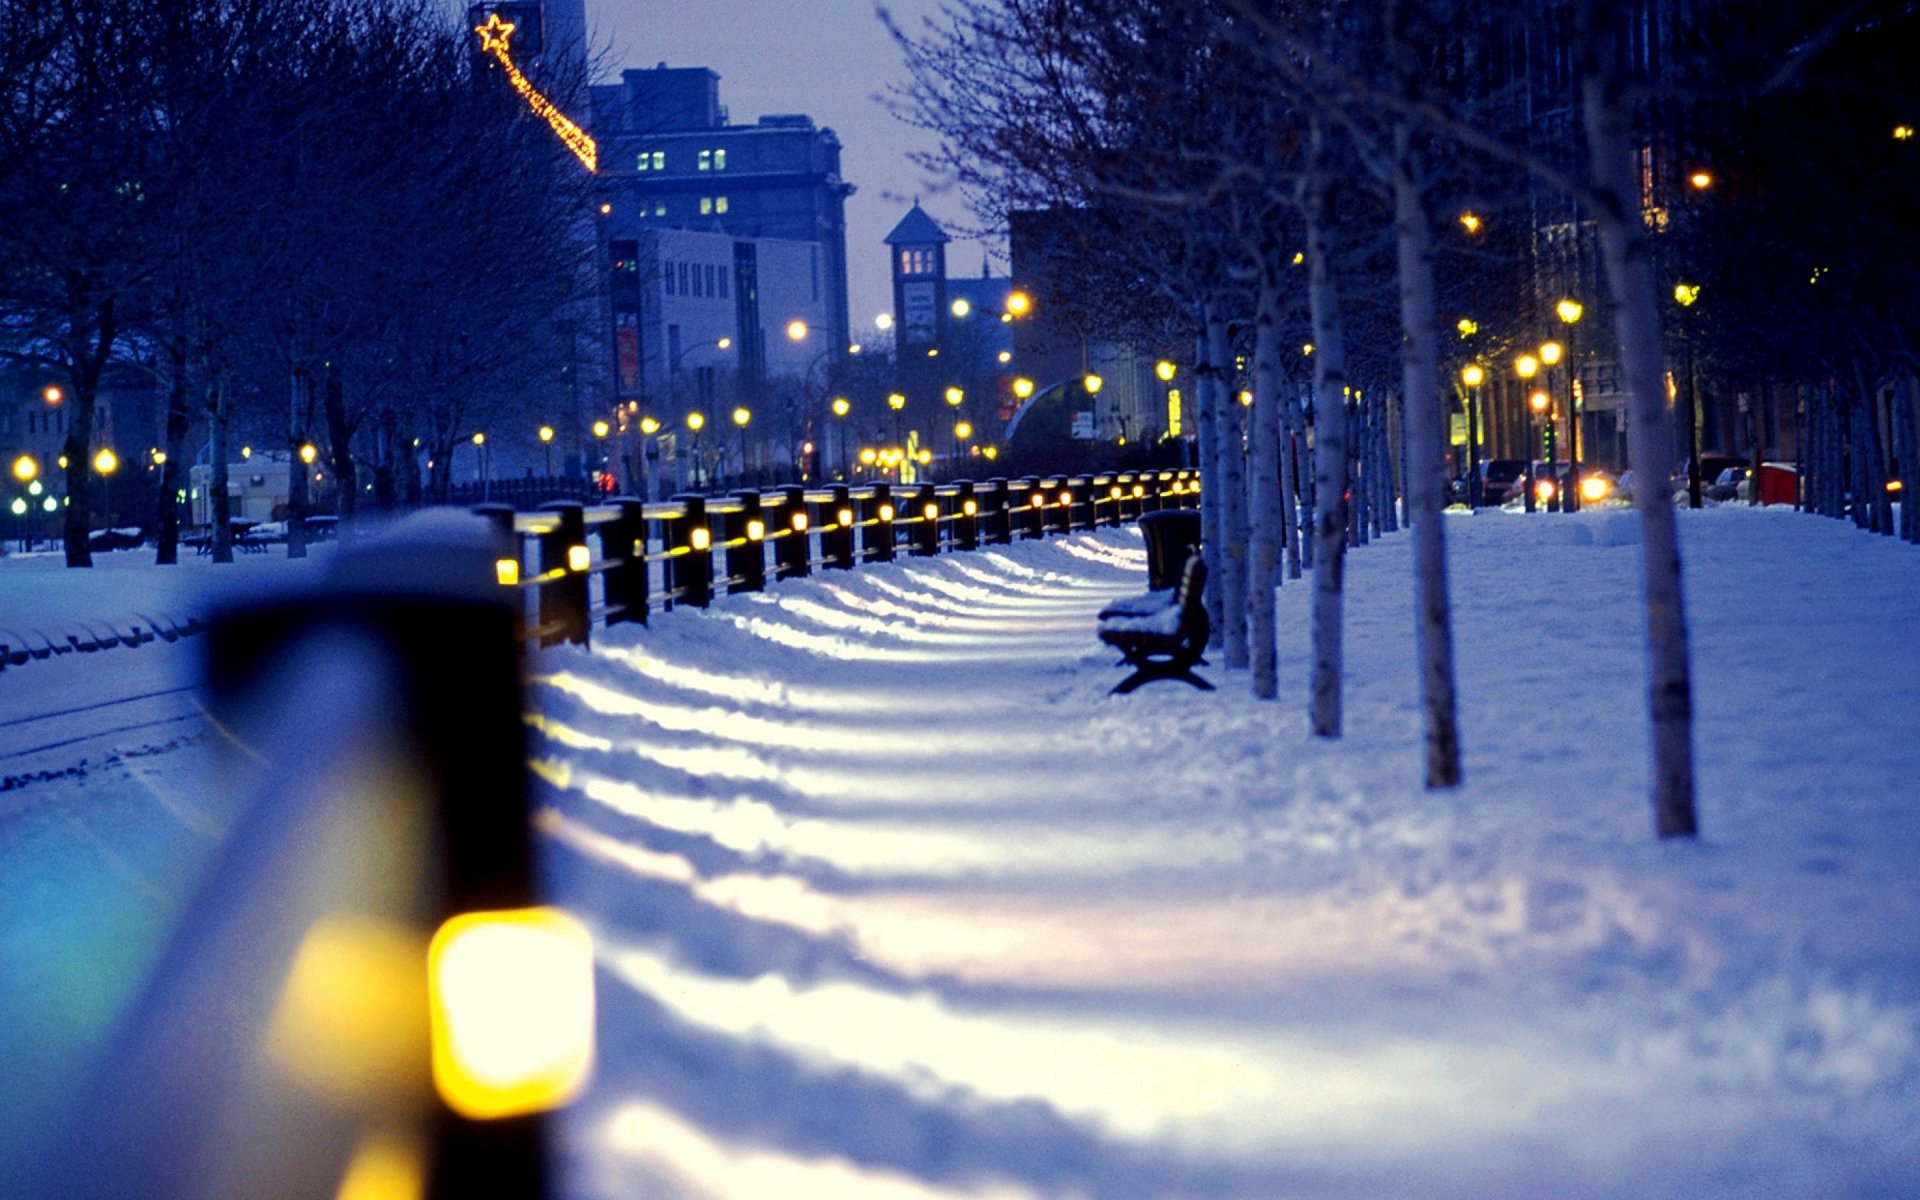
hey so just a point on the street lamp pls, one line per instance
(740, 417)
(1543, 489)
(696, 421)
(1526, 366)
(107, 462)
(841, 407)
(1686, 294)
(1472, 376)
(896, 402)
(1569, 311)
(25, 469)
(546, 443)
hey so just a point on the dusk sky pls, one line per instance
(830, 59)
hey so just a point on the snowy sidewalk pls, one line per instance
(894, 900)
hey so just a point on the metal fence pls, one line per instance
(577, 566)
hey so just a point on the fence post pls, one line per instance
(692, 545)
(1080, 509)
(791, 558)
(1032, 505)
(623, 548)
(746, 532)
(996, 522)
(511, 566)
(925, 518)
(836, 533)
(966, 521)
(877, 538)
(563, 569)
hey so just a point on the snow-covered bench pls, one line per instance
(1166, 642)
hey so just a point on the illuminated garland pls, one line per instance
(493, 40)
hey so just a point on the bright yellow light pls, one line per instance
(1594, 488)
(1539, 401)
(1139, 490)
(970, 507)
(579, 558)
(1470, 221)
(1701, 180)
(883, 322)
(1472, 375)
(61, 462)
(1550, 353)
(1686, 293)
(1299, 257)
(955, 396)
(309, 452)
(1164, 370)
(1543, 490)
(924, 457)
(507, 571)
(991, 452)
(1022, 387)
(841, 406)
(696, 421)
(1903, 133)
(931, 512)
(246, 452)
(741, 416)
(886, 512)
(1019, 303)
(961, 307)
(896, 401)
(1306, 350)
(606, 209)
(106, 462)
(796, 331)
(479, 439)
(649, 426)
(1526, 366)
(512, 1010)
(700, 537)
(1467, 327)
(24, 468)
(844, 516)
(868, 456)
(350, 1021)
(385, 1166)
(601, 429)
(1569, 310)
(546, 433)
(756, 530)
(1066, 497)
(725, 343)
(52, 394)
(963, 430)
(1246, 399)
(1093, 384)
(1038, 500)
(1004, 357)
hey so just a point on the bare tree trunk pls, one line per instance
(1265, 525)
(1230, 467)
(173, 472)
(340, 429)
(1628, 254)
(1330, 446)
(1205, 380)
(300, 403)
(1423, 412)
(1294, 516)
(219, 502)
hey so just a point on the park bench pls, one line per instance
(1168, 642)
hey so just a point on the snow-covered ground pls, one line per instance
(893, 900)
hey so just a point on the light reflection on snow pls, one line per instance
(697, 1166)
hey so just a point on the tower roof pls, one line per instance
(917, 229)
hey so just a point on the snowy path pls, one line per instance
(893, 900)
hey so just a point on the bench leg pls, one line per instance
(1150, 671)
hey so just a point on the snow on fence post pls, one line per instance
(877, 532)
(623, 547)
(691, 543)
(563, 569)
(792, 555)
(745, 532)
(966, 520)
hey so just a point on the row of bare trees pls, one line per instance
(1287, 173)
(316, 217)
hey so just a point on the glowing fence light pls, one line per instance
(507, 571)
(931, 511)
(756, 530)
(579, 558)
(511, 1003)
(799, 522)
(845, 517)
(886, 512)
(701, 538)
(970, 508)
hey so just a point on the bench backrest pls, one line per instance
(1191, 596)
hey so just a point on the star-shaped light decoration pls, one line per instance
(494, 34)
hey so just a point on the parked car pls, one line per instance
(1496, 479)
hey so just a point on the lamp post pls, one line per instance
(1551, 354)
(740, 417)
(1685, 294)
(841, 407)
(1472, 376)
(955, 397)
(896, 402)
(1542, 491)
(1569, 311)
(649, 454)
(546, 443)
(25, 471)
(696, 421)
(1526, 367)
(107, 462)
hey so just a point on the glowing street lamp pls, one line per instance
(25, 469)
(961, 307)
(1164, 370)
(1526, 366)
(1019, 303)
(1473, 375)
(796, 331)
(955, 396)
(1022, 388)
(1093, 383)
(107, 462)
(1569, 312)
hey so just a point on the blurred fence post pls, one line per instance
(692, 544)
(563, 591)
(623, 547)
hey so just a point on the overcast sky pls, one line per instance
(829, 59)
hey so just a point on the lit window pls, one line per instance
(659, 160)
(705, 162)
(720, 204)
(706, 206)
(719, 160)
(659, 208)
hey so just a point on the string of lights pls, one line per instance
(494, 36)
